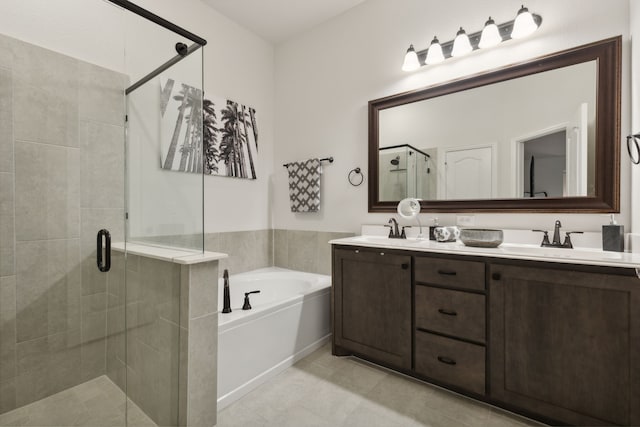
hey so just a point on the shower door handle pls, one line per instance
(106, 265)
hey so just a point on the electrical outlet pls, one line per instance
(465, 220)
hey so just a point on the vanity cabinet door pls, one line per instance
(372, 305)
(565, 344)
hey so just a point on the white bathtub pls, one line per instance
(289, 319)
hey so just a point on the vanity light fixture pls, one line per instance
(411, 61)
(524, 24)
(492, 34)
(461, 45)
(434, 54)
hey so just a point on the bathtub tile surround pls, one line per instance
(248, 250)
(48, 220)
(305, 250)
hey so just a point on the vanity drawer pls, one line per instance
(461, 314)
(448, 272)
(450, 361)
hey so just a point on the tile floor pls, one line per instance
(95, 403)
(320, 390)
(323, 390)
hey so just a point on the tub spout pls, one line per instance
(227, 298)
(247, 304)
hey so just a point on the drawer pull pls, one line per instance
(357, 251)
(381, 253)
(405, 266)
(446, 360)
(496, 276)
(447, 312)
(447, 272)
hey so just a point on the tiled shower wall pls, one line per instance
(61, 180)
(147, 365)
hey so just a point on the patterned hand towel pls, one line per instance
(304, 185)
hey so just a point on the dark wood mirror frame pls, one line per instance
(607, 53)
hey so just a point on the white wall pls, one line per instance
(325, 78)
(237, 65)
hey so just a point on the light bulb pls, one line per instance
(524, 24)
(411, 62)
(434, 54)
(490, 35)
(461, 44)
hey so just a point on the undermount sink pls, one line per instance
(588, 254)
(385, 241)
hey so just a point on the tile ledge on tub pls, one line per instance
(175, 255)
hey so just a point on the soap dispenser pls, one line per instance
(432, 229)
(613, 236)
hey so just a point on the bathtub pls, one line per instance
(289, 319)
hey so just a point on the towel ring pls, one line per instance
(352, 177)
(635, 159)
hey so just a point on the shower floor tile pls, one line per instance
(324, 390)
(95, 403)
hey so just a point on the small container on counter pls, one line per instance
(613, 236)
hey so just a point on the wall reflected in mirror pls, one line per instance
(480, 143)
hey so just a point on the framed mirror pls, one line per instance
(538, 136)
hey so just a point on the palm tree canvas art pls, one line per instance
(182, 109)
(217, 136)
(231, 147)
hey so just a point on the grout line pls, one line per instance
(48, 144)
(14, 240)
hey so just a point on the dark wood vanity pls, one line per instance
(556, 342)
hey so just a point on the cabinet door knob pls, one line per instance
(357, 251)
(447, 312)
(381, 253)
(496, 276)
(405, 266)
(446, 360)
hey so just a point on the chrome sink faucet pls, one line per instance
(555, 243)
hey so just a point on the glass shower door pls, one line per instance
(164, 182)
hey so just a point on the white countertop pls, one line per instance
(584, 256)
(175, 255)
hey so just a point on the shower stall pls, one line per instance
(405, 172)
(100, 149)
